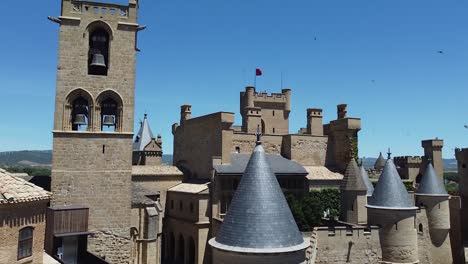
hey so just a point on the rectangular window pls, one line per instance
(25, 241)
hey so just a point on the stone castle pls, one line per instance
(221, 201)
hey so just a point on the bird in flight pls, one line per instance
(440, 51)
(466, 126)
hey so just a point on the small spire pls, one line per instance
(389, 154)
(259, 135)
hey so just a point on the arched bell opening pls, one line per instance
(80, 114)
(78, 111)
(98, 55)
(109, 115)
(110, 111)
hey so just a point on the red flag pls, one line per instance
(258, 72)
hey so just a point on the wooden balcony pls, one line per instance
(67, 220)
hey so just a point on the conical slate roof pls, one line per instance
(367, 182)
(352, 180)
(144, 136)
(431, 184)
(259, 219)
(380, 162)
(390, 192)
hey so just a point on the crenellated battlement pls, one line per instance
(402, 160)
(461, 154)
(282, 97)
(344, 231)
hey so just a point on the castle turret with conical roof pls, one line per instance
(147, 150)
(259, 226)
(353, 195)
(392, 209)
(380, 162)
(432, 195)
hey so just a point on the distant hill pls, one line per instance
(32, 158)
(27, 158)
(449, 164)
(39, 158)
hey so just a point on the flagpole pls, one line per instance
(255, 79)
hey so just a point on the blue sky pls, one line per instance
(379, 57)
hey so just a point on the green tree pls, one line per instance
(308, 210)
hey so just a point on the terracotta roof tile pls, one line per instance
(16, 190)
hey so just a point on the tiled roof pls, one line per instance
(16, 190)
(259, 219)
(189, 188)
(390, 192)
(156, 170)
(139, 195)
(352, 180)
(322, 173)
(431, 184)
(278, 164)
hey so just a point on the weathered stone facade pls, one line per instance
(13, 218)
(186, 224)
(92, 165)
(345, 245)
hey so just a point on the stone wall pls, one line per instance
(343, 245)
(306, 149)
(200, 139)
(225, 257)
(456, 240)
(94, 170)
(181, 223)
(14, 217)
(246, 143)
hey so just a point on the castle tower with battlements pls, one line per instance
(94, 113)
(270, 112)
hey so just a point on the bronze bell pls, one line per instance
(108, 121)
(80, 119)
(98, 60)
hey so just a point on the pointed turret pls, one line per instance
(390, 192)
(380, 162)
(431, 184)
(432, 195)
(147, 150)
(392, 209)
(353, 195)
(259, 224)
(367, 181)
(144, 135)
(352, 180)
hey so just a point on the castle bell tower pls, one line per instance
(93, 125)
